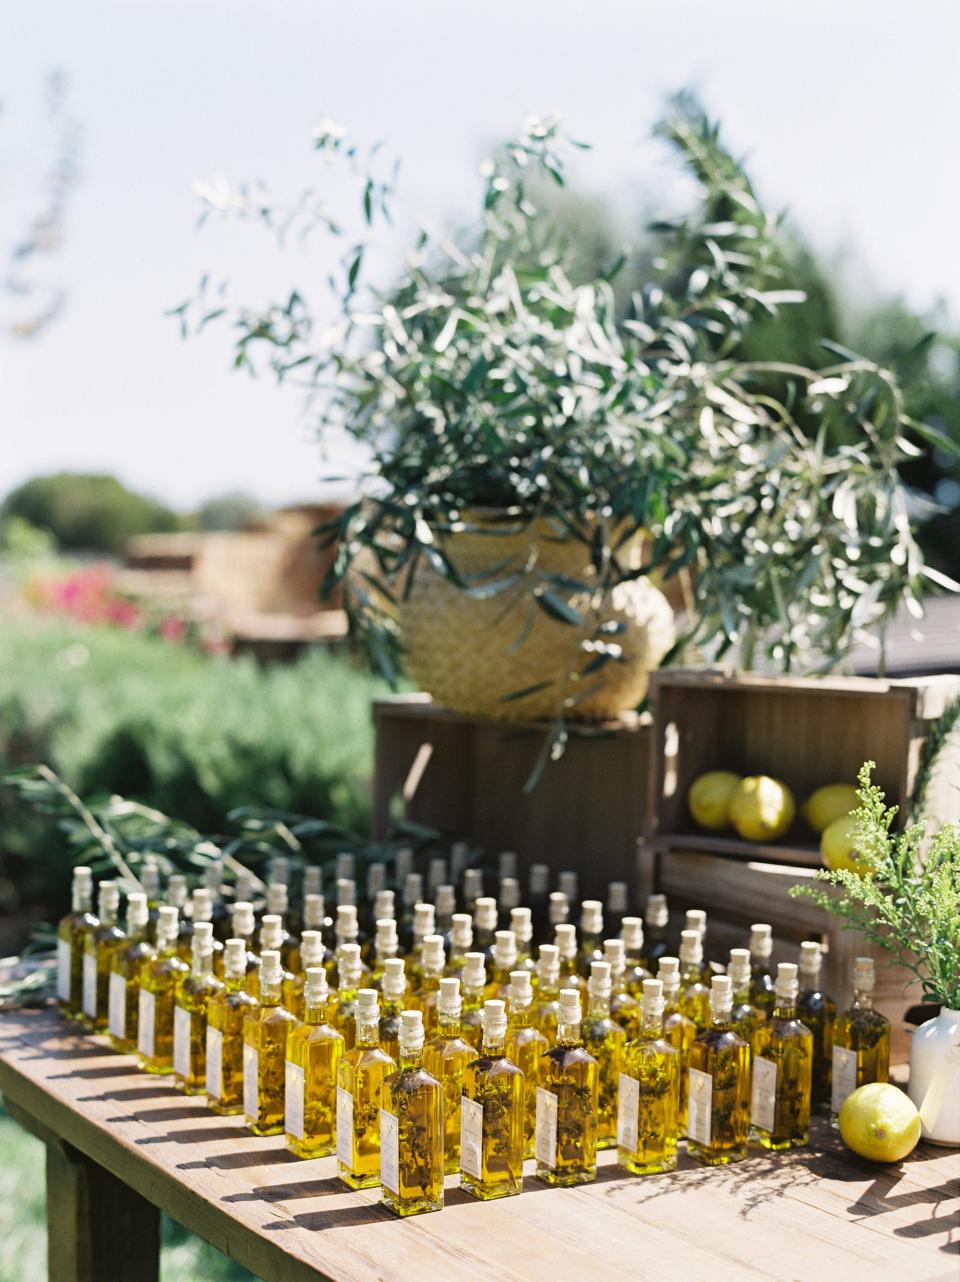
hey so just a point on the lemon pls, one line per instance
(833, 801)
(762, 808)
(837, 849)
(709, 798)
(880, 1122)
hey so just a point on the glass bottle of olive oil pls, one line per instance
(761, 974)
(491, 1115)
(624, 1007)
(547, 1004)
(71, 944)
(460, 942)
(313, 1059)
(678, 1028)
(360, 1077)
(649, 1092)
(226, 1012)
(861, 1039)
(782, 1070)
(819, 1013)
(718, 1097)
(566, 1141)
(634, 962)
(190, 1012)
(393, 991)
(748, 1019)
(524, 1046)
(473, 981)
(411, 1128)
(694, 994)
(100, 945)
(445, 1057)
(604, 1039)
(128, 962)
(158, 983)
(432, 963)
(344, 1012)
(265, 1032)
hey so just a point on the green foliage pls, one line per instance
(908, 901)
(187, 734)
(87, 512)
(22, 541)
(486, 378)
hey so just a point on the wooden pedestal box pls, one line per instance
(465, 777)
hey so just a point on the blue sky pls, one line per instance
(847, 111)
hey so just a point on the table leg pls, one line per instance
(98, 1229)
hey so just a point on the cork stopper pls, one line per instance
(507, 864)
(235, 958)
(651, 1000)
(493, 1020)
(201, 945)
(509, 893)
(348, 965)
(691, 947)
(411, 1032)
(278, 900)
(485, 913)
(761, 940)
(437, 873)
(271, 972)
(432, 956)
(445, 899)
(271, 931)
(168, 924)
(569, 1012)
(613, 953)
(346, 892)
(864, 974)
(539, 879)
(657, 912)
(450, 1002)
(412, 889)
(423, 920)
(505, 950)
(83, 875)
(520, 992)
(617, 898)
(368, 1006)
(138, 912)
(202, 905)
(738, 967)
(786, 985)
(345, 867)
(312, 880)
(279, 869)
(565, 937)
(314, 911)
(811, 958)
(567, 884)
(472, 884)
(311, 948)
(600, 984)
(559, 907)
(394, 982)
(315, 988)
(376, 879)
(548, 965)
(521, 923)
(697, 920)
(591, 917)
(242, 918)
(631, 932)
(346, 926)
(384, 905)
(385, 940)
(461, 931)
(668, 971)
(721, 996)
(177, 891)
(474, 971)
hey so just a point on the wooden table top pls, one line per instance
(819, 1214)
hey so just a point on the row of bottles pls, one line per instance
(550, 1058)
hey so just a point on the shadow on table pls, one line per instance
(236, 1161)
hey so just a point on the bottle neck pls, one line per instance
(493, 1043)
(384, 952)
(391, 1005)
(449, 1025)
(202, 967)
(315, 1011)
(568, 1034)
(741, 993)
(234, 983)
(721, 1017)
(368, 1034)
(81, 900)
(863, 999)
(785, 1008)
(411, 1060)
(809, 981)
(520, 1017)
(651, 1025)
(108, 917)
(598, 1007)
(472, 997)
(271, 992)
(690, 972)
(549, 989)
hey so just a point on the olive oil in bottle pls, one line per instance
(694, 994)
(718, 1096)
(491, 1115)
(761, 975)
(393, 991)
(624, 1007)
(128, 962)
(100, 945)
(679, 1030)
(226, 1011)
(566, 1141)
(360, 1077)
(649, 1092)
(411, 1128)
(748, 1019)
(445, 1056)
(782, 1070)
(158, 983)
(819, 1013)
(71, 944)
(190, 1012)
(310, 1074)
(265, 1032)
(635, 966)
(432, 963)
(604, 1039)
(344, 1006)
(861, 1039)
(524, 1046)
(591, 936)
(472, 984)
(503, 962)
(547, 1004)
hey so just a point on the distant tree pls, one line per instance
(87, 512)
(233, 511)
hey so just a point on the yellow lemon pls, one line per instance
(836, 846)
(709, 799)
(762, 808)
(833, 801)
(879, 1122)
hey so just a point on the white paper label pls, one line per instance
(63, 969)
(699, 1106)
(214, 1062)
(293, 1100)
(628, 1108)
(344, 1128)
(181, 1041)
(146, 1014)
(844, 1076)
(389, 1152)
(90, 985)
(117, 1006)
(471, 1137)
(763, 1094)
(545, 1144)
(251, 1085)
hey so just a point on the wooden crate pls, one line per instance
(465, 777)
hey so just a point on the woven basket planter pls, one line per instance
(470, 654)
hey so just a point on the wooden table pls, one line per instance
(121, 1146)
